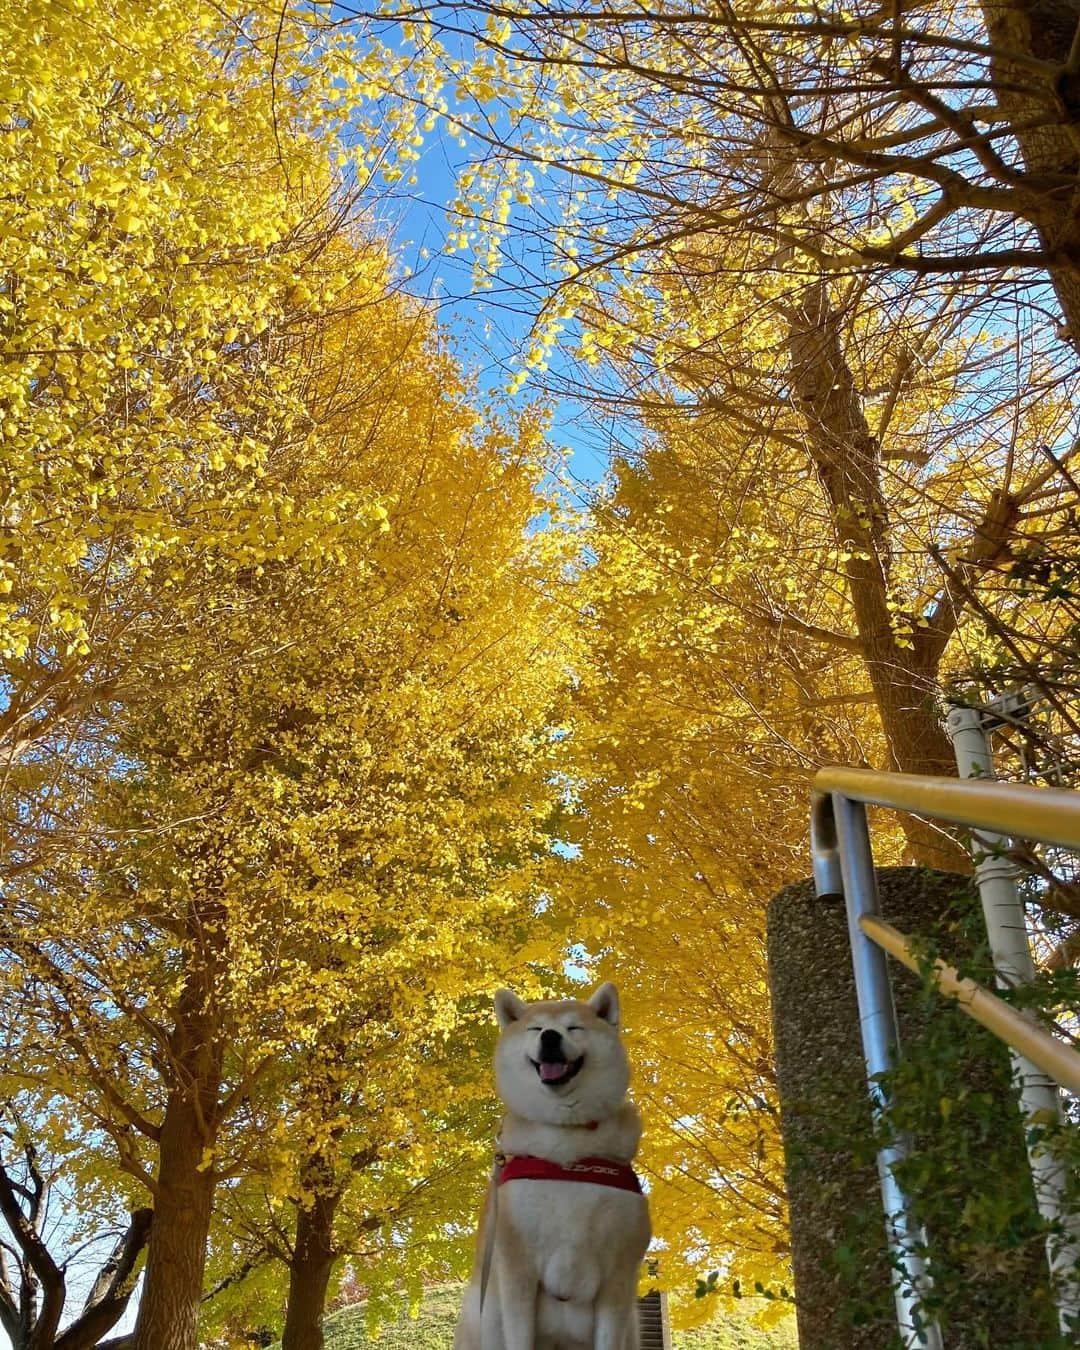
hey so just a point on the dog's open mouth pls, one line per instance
(556, 1072)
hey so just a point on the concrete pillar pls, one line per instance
(968, 1161)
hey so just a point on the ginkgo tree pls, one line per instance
(166, 191)
(696, 722)
(309, 860)
(938, 141)
(727, 665)
(282, 671)
(160, 207)
(799, 224)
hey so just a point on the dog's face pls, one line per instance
(561, 1062)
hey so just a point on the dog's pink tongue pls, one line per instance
(551, 1073)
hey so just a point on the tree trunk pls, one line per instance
(1048, 111)
(309, 1274)
(108, 1299)
(848, 462)
(172, 1290)
(38, 1272)
(918, 743)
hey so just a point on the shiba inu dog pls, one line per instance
(565, 1225)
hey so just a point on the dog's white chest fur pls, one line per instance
(557, 1260)
(578, 1236)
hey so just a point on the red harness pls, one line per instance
(596, 1171)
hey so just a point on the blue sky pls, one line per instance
(489, 328)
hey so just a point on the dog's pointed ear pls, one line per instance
(508, 1008)
(605, 1003)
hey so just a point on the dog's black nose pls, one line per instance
(551, 1050)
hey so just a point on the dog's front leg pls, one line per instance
(491, 1323)
(615, 1325)
(509, 1316)
(517, 1311)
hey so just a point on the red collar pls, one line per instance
(596, 1171)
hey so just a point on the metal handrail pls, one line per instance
(1024, 1034)
(1046, 815)
(844, 868)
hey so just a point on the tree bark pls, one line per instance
(1046, 113)
(848, 462)
(33, 1329)
(109, 1297)
(309, 1273)
(25, 1326)
(172, 1290)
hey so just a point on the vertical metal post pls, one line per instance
(877, 1021)
(1040, 1101)
(824, 849)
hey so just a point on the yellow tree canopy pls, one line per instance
(166, 194)
(340, 833)
(694, 726)
(282, 669)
